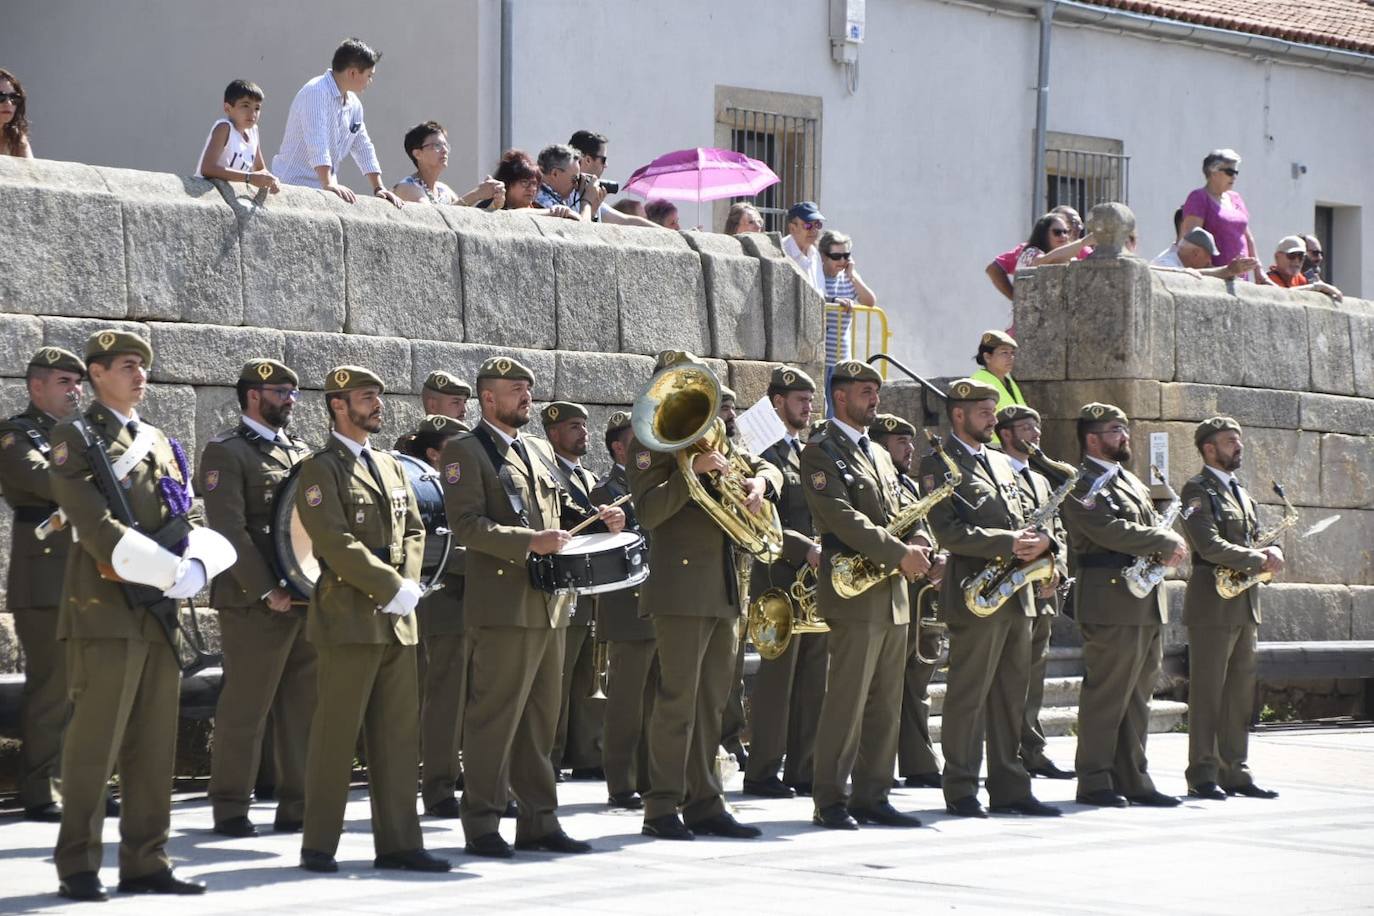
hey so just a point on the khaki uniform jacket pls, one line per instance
(441, 610)
(691, 557)
(851, 501)
(617, 613)
(798, 532)
(35, 577)
(94, 607)
(1217, 529)
(977, 524)
(578, 483)
(238, 477)
(1034, 495)
(368, 538)
(1121, 525)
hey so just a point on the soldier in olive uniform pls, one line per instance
(35, 577)
(577, 743)
(503, 502)
(1221, 527)
(359, 509)
(788, 690)
(693, 597)
(442, 395)
(1017, 426)
(734, 721)
(851, 489)
(123, 676)
(1122, 634)
(269, 667)
(631, 654)
(989, 657)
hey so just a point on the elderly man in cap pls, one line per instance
(269, 666)
(989, 656)
(804, 224)
(505, 503)
(1286, 271)
(1018, 429)
(126, 489)
(1122, 634)
(1221, 527)
(34, 589)
(361, 514)
(1194, 252)
(851, 490)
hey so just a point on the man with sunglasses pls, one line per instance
(1313, 264)
(804, 223)
(269, 667)
(1286, 271)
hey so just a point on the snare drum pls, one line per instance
(295, 558)
(592, 564)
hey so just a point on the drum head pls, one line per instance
(595, 543)
(296, 562)
(429, 495)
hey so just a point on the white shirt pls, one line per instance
(1111, 467)
(271, 435)
(810, 264)
(1168, 258)
(504, 438)
(323, 126)
(854, 434)
(357, 448)
(239, 153)
(1017, 464)
(123, 420)
(1223, 476)
(978, 452)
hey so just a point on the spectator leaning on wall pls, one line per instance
(804, 224)
(232, 151)
(1286, 271)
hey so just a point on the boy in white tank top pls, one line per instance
(232, 152)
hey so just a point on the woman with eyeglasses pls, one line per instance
(427, 146)
(14, 121)
(1220, 210)
(1051, 241)
(520, 175)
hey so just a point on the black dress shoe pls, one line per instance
(1207, 790)
(314, 860)
(490, 845)
(725, 825)
(449, 808)
(286, 825)
(771, 787)
(1154, 799)
(51, 813)
(238, 827)
(512, 810)
(1048, 770)
(412, 860)
(834, 817)
(84, 885)
(801, 788)
(111, 806)
(1029, 806)
(593, 773)
(630, 800)
(1102, 798)
(883, 813)
(925, 781)
(160, 882)
(1252, 791)
(968, 806)
(667, 827)
(558, 841)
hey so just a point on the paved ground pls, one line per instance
(1310, 851)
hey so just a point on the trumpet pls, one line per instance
(779, 614)
(601, 663)
(928, 598)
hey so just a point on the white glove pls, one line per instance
(407, 596)
(190, 580)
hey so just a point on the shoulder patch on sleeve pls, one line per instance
(314, 495)
(60, 453)
(7, 440)
(452, 472)
(642, 460)
(818, 480)
(211, 480)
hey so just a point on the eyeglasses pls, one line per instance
(1113, 431)
(1315, 255)
(1232, 172)
(813, 224)
(838, 255)
(286, 394)
(1059, 232)
(1294, 255)
(14, 97)
(441, 147)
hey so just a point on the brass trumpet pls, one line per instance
(929, 597)
(601, 663)
(779, 614)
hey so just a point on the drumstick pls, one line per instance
(578, 527)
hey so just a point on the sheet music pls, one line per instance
(760, 427)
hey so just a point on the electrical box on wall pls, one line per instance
(846, 30)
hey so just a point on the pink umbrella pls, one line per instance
(701, 174)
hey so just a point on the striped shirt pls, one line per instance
(838, 342)
(323, 126)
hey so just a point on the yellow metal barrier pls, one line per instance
(860, 325)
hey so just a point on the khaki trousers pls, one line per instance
(631, 684)
(785, 707)
(577, 743)
(915, 750)
(443, 693)
(44, 706)
(1221, 695)
(1122, 664)
(1032, 735)
(733, 721)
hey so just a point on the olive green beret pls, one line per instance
(505, 367)
(886, 424)
(854, 371)
(112, 340)
(351, 378)
(727, 393)
(267, 372)
(58, 358)
(447, 383)
(1015, 412)
(967, 389)
(437, 423)
(993, 339)
(790, 378)
(1210, 427)
(668, 358)
(1095, 413)
(617, 421)
(559, 411)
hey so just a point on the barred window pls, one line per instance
(780, 129)
(1083, 172)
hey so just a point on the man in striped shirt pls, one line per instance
(325, 124)
(843, 286)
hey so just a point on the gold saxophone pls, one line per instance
(852, 574)
(1231, 582)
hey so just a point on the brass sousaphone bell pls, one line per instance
(779, 614)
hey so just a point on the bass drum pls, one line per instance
(296, 562)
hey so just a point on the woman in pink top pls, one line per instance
(1221, 211)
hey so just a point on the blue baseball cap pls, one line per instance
(806, 210)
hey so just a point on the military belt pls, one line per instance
(34, 515)
(1108, 560)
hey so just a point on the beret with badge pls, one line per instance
(1015, 413)
(854, 371)
(1211, 426)
(506, 368)
(991, 340)
(790, 378)
(351, 378)
(111, 341)
(617, 421)
(559, 411)
(886, 424)
(727, 393)
(441, 425)
(268, 372)
(967, 389)
(1101, 413)
(668, 358)
(447, 383)
(58, 358)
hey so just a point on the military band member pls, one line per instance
(443, 668)
(788, 690)
(1221, 528)
(1018, 426)
(693, 596)
(989, 657)
(359, 509)
(1122, 634)
(504, 503)
(631, 655)
(851, 489)
(733, 722)
(445, 395)
(269, 667)
(34, 589)
(577, 743)
(123, 676)
(916, 759)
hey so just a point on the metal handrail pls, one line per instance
(870, 314)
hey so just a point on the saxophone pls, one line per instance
(1002, 578)
(1145, 574)
(852, 574)
(1231, 582)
